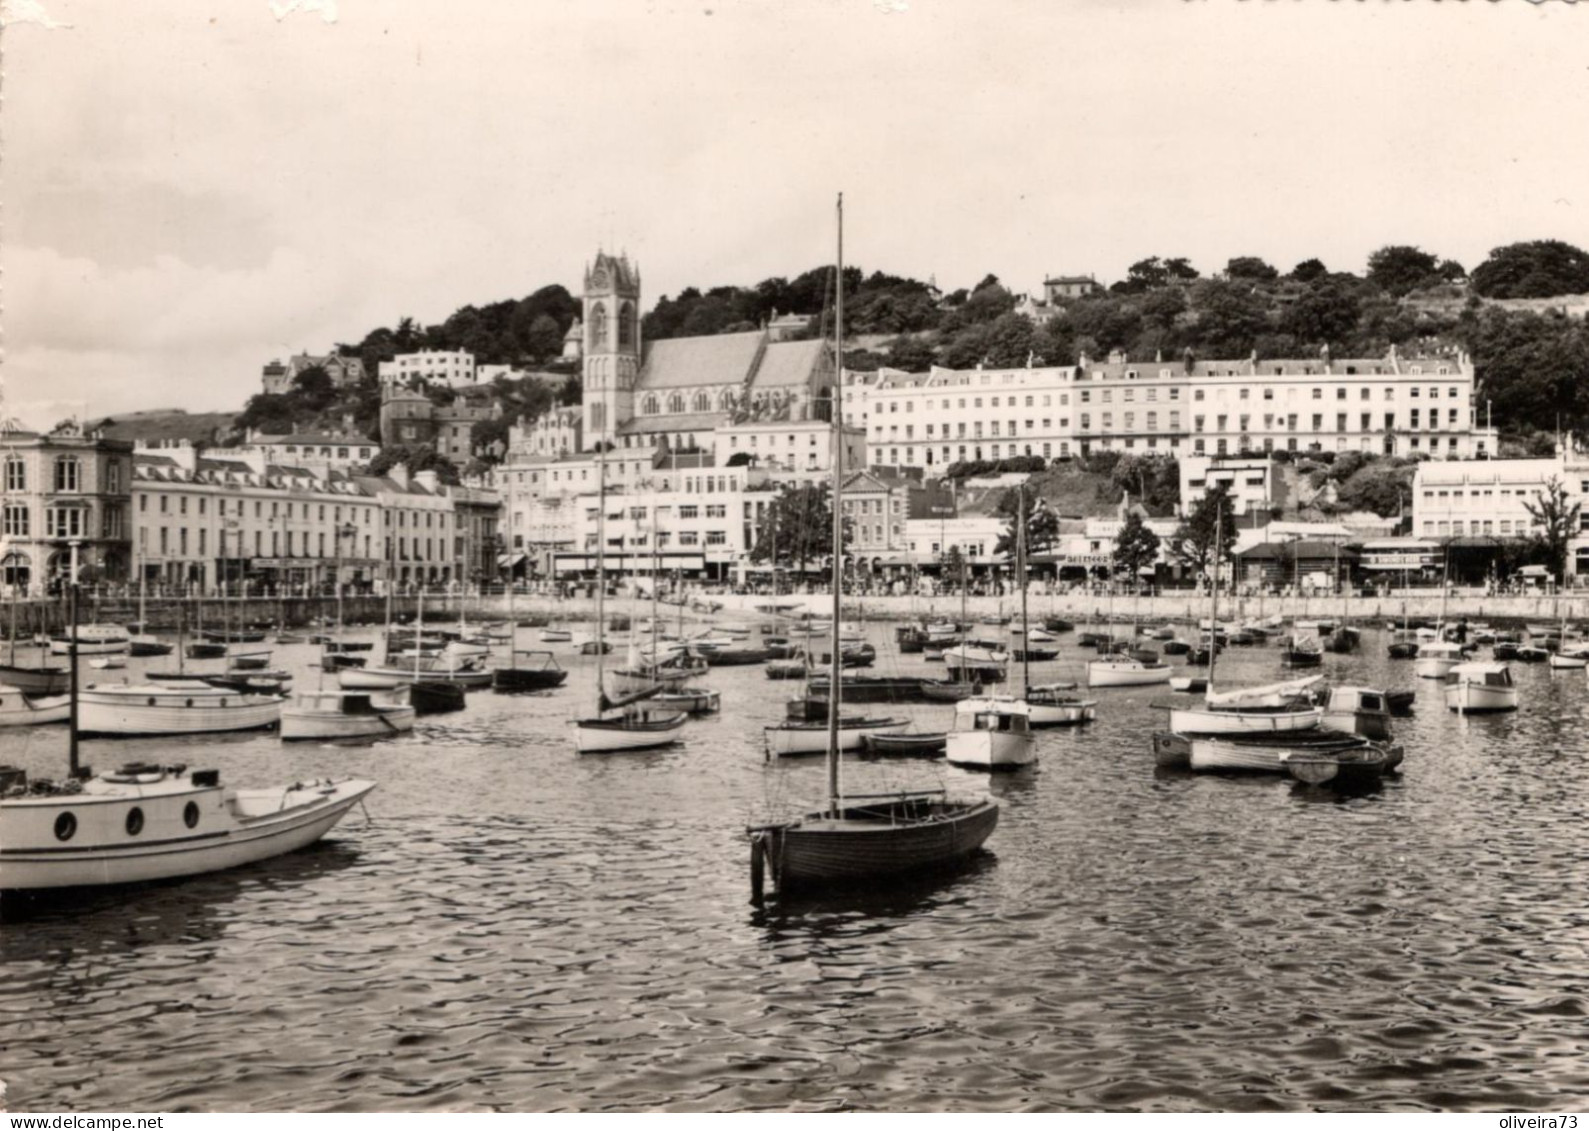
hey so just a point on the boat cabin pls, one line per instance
(1489, 675)
(1000, 718)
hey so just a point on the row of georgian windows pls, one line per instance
(68, 475)
(60, 522)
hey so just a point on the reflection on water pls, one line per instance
(516, 927)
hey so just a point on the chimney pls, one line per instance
(398, 473)
(427, 480)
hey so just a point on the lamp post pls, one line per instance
(346, 530)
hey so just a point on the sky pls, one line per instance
(193, 188)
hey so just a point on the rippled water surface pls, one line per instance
(518, 927)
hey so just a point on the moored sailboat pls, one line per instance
(636, 726)
(860, 838)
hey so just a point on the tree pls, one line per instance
(1380, 486)
(1250, 268)
(1309, 271)
(1533, 366)
(1229, 318)
(1042, 524)
(740, 459)
(1399, 268)
(1143, 275)
(270, 413)
(313, 388)
(1136, 548)
(1194, 543)
(543, 340)
(1534, 269)
(952, 566)
(913, 355)
(1557, 521)
(1326, 312)
(416, 458)
(796, 527)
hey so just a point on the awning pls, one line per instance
(508, 561)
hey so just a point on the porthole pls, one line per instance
(151, 700)
(134, 821)
(65, 826)
(190, 814)
(188, 703)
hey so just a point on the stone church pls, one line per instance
(676, 392)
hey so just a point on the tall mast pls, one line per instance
(419, 629)
(836, 400)
(601, 569)
(71, 663)
(1213, 599)
(1020, 565)
(656, 571)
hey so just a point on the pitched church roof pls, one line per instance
(788, 363)
(715, 359)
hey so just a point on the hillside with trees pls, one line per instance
(1408, 297)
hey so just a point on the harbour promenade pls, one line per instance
(440, 608)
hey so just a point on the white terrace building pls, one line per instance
(1390, 405)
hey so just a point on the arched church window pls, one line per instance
(651, 406)
(676, 403)
(626, 325)
(598, 326)
(703, 403)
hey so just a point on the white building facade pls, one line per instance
(1390, 405)
(453, 368)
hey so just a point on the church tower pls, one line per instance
(612, 345)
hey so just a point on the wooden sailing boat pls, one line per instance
(635, 727)
(140, 641)
(860, 838)
(995, 732)
(1051, 704)
(31, 679)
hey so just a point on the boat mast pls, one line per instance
(1213, 599)
(1020, 565)
(419, 629)
(71, 664)
(835, 399)
(656, 573)
(601, 568)
(13, 660)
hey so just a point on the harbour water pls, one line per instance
(518, 927)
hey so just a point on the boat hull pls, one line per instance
(126, 716)
(1477, 698)
(527, 679)
(862, 844)
(35, 681)
(1106, 674)
(1060, 713)
(18, 710)
(301, 724)
(230, 829)
(990, 749)
(792, 739)
(1218, 754)
(606, 736)
(1197, 720)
